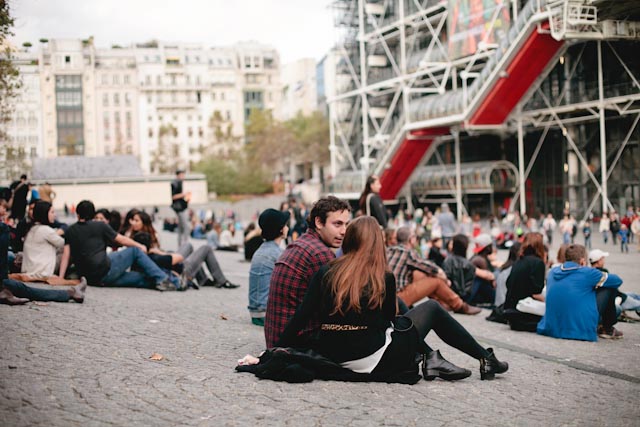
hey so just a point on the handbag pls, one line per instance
(531, 306)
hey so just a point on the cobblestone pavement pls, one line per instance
(89, 364)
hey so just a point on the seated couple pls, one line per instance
(187, 261)
(347, 312)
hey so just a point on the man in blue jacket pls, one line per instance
(580, 302)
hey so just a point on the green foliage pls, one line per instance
(270, 147)
(229, 175)
(13, 156)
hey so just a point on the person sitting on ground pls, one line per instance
(87, 240)
(497, 314)
(252, 240)
(483, 288)
(354, 299)
(273, 224)
(300, 261)
(390, 237)
(14, 292)
(418, 278)
(230, 239)
(628, 301)
(460, 271)
(42, 247)
(435, 252)
(187, 261)
(526, 281)
(580, 300)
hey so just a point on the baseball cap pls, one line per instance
(596, 255)
(482, 241)
(271, 221)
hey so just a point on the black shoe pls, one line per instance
(490, 366)
(435, 366)
(227, 285)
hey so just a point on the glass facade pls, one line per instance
(70, 124)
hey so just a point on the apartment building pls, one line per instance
(166, 103)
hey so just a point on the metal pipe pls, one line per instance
(456, 136)
(603, 135)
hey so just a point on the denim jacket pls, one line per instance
(262, 265)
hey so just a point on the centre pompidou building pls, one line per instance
(531, 105)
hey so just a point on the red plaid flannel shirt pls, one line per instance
(291, 276)
(402, 262)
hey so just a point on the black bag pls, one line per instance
(179, 205)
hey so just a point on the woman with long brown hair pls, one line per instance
(370, 202)
(526, 280)
(354, 297)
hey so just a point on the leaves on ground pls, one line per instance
(156, 356)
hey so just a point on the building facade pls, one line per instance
(168, 104)
(551, 86)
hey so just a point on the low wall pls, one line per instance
(126, 192)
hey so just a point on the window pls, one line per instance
(190, 131)
(128, 124)
(228, 115)
(149, 99)
(256, 61)
(173, 80)
(150, 132)
(198, 97)
(105, 100)
(159, 80)
(116, 79)
(200, 132)
(116, 99)
(213, 96)
(105, 79)
(127, 99)
(116, 119)
(126, 79)
(174, 97)
(221, 96)
(247, 62)
(147, 80)
(67, 59)
(197, 80)
(187, 80)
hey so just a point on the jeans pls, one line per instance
(606, 302)
(260, 272)
(183, 227)
(482, 292)
(21, 290)
(122, 260)
(605, 236)
(204, 254)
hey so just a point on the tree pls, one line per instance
(167, 154)
(13, 156)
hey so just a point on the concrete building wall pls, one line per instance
(126, 192)
(299, 88)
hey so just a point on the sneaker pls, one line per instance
(611, 333)
(258, 321)
(165, 285)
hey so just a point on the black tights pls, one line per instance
(430, 315)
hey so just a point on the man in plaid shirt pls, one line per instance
(417, 278)
(300, 261)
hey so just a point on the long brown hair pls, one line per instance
(532, 244)
(361, 270)
(362, 202)
(147, 227)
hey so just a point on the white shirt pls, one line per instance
(39, 252)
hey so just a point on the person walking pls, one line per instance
(180, 203)
(447, 223)
(549, 227)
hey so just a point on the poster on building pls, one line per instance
(473, 21)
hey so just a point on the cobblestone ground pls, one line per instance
(89, 364)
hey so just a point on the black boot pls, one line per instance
(490, 366)
(434, 366)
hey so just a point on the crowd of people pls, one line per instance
(340, 294)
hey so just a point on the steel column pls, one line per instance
(603, 136)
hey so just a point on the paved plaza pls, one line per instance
(90, 365)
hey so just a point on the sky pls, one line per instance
(296, 28)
